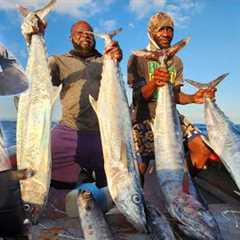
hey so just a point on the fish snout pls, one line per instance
(85, 199)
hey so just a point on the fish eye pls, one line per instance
(27, 207)
(136, 198)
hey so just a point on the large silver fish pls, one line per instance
(191, 217)
(34, 115)
(224, 137)
(158, 224)
(12, 77)
(118, 149)
(93, 223)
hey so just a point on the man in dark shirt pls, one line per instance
(145, 76)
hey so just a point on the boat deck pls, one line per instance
(55, 225)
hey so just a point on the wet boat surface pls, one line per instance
(55, 225)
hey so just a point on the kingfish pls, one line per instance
(189, 214)
(158, 224)
(224, 137)
(120, 165)
(93, 223)
(34, 116)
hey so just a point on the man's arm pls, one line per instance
(198, 97)
(159, 79)
(184, 98)
(54, 70)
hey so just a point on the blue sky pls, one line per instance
(213, 25)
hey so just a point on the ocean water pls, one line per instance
(9, 131)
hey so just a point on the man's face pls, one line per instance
(163, 37)
(82, 40)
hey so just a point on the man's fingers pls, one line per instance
(111, 46)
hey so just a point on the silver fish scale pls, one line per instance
(193, 219)
(33, 125)
(224, 138)
(169, 154)
(93, 223)
(119, 156)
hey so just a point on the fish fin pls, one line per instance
(43, 12)
(23, 10)
(216, 81)
(55, 93)
(142, 53)
(93, 103)
(212, 83)
(196, 84)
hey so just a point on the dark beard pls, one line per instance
(83, 51)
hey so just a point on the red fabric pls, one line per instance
(13, 160)
(214, 157)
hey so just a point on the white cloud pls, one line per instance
(108, 25)
(131, 25)
(180, 10)
(140, 7)
(75, 8)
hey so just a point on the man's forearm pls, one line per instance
(148, 89)
(182, 98)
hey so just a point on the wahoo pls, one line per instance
(224, 137)
(158, 224)
(93, 223)
(34, 115)
(195, 221)
(118, 149)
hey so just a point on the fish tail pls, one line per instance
(211, 84)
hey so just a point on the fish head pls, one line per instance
(85, 200)
(192, 218)
(130, 201)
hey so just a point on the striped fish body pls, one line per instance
(224, 138)
(33, 125)
(34, 115)
(192, 218)
(116, 136)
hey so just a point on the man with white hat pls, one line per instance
(145, 76)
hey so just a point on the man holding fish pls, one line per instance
(145, 76)
(76, 144)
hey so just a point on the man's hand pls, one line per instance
(199, 96)
(32, 25)
(113, 51)
(161, 77)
